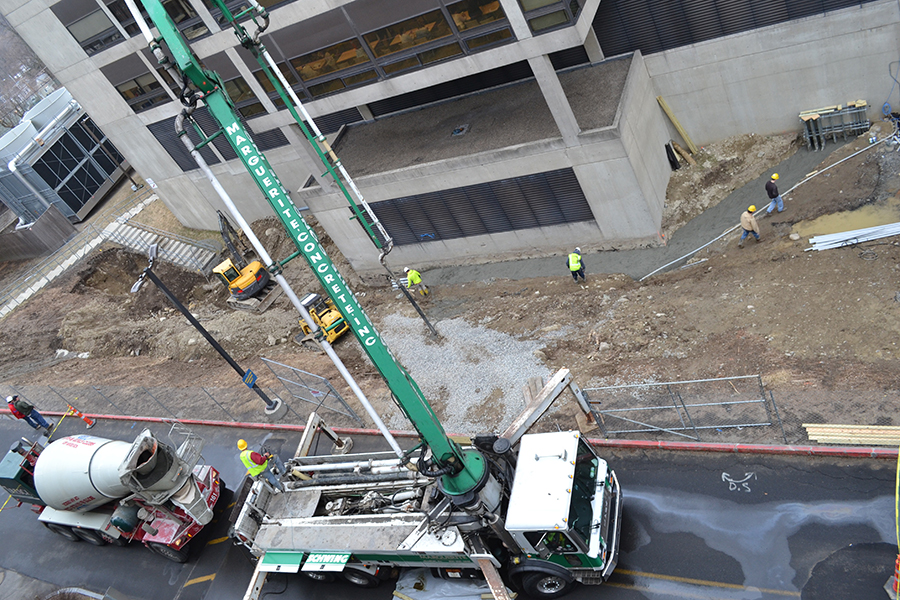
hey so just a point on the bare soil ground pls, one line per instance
(820, 327)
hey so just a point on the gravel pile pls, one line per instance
(473, 376)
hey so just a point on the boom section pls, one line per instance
(460, 471)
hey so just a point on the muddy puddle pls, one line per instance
(871, 215)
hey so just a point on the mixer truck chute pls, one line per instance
(111, 492)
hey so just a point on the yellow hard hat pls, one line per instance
(774, 175)
(751, 208)
(242, 444)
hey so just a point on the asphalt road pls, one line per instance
(695, 525)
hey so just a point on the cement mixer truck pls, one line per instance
(102, 491)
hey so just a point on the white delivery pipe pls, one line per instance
(266, 259)
(321, 138)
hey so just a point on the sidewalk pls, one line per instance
(638, 263)
(14, 586)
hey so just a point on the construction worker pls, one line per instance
(22, 409)
(414, 281)
(774, 196)
(258, 465)
(576, 265)
(749, 225)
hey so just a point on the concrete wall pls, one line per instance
(45, 236)
(622, 170)
(758, 81)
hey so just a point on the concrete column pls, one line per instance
(365, 112)
(556, 99)
(258, 90)
(592, 46)
(206, 16)
(307, 156)
(516, 19)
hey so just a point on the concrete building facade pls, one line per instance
(551, 128)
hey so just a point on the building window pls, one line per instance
(186, 18)
(408, 34)
(334, 58)
(547, 21)
(266, 83)
(95, 32)
(120, 11)
(143, 92)
(545, 15)
(473, 13)
(489, 40)
(430, 56)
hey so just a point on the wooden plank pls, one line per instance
(853, 435)
(677, 124)
(684, 153)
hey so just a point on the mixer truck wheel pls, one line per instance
(360, 578)
(89, 536)
(63, 530)
(323, 576)
(179, 556)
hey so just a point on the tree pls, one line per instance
(24, 79)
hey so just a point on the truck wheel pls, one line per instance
(323, 576)
(545, 586)
(167, 552)
(63, 530)
(360, 578)
(89, 536)
(119, 541)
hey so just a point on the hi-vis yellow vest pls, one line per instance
(574, 262)
(253, 469)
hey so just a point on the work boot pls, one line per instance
(740, 244)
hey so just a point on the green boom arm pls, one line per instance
(466, 469)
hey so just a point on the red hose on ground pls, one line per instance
(833, 451)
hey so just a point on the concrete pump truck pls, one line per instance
(536, 512)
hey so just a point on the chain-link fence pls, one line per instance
(701, 410)
(302, 392)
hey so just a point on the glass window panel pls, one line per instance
(179, 10)
(548, 21)
(331, 59)
(129, 89)
(359, 78)
(193, 32)
(166, 77)
(251, 110)
(491, 38)
(401, 65)
(264, 81)
(408, 34)
(148, 82)
(472, 13)
(430, 56)
(533, 4)
(90, 26)
(238, 90)
(574, 7)
(326, 88)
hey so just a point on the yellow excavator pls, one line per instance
(248, 282)
(326, 316)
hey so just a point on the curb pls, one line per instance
(762, 449)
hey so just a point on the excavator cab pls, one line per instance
(242, 283)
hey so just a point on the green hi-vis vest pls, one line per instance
(253, 469)
(574, 262)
